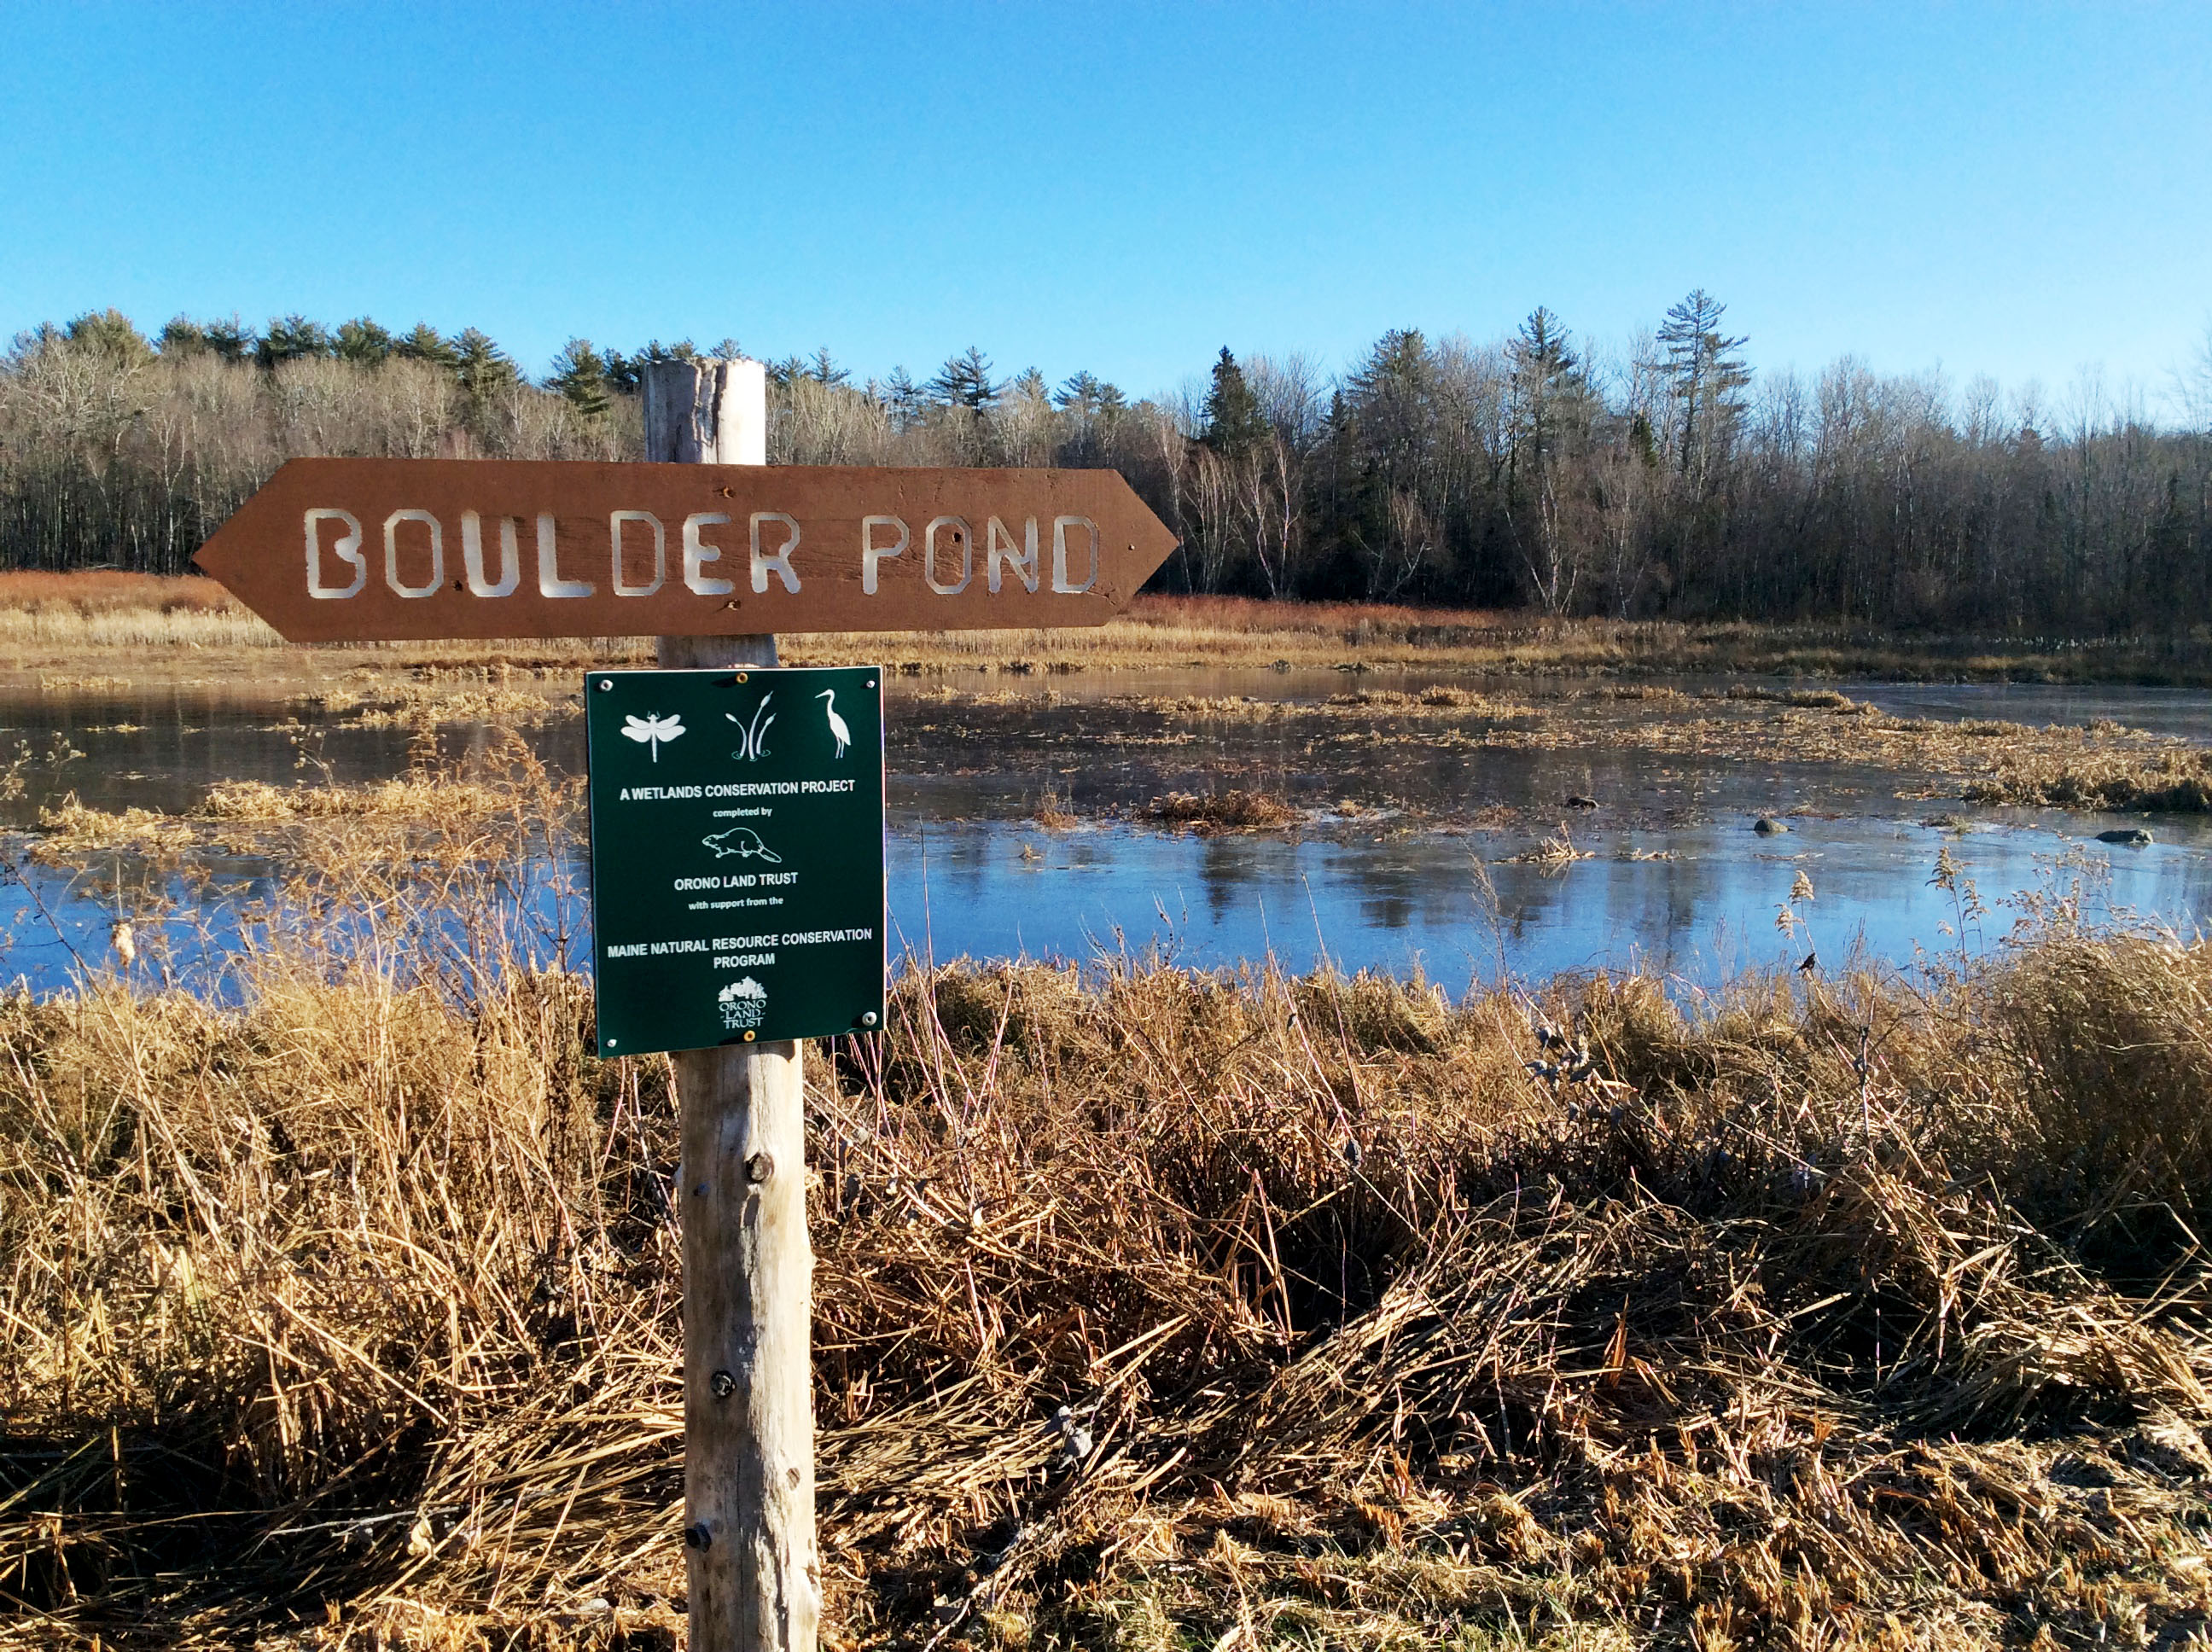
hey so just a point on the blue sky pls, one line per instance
(2013, 190)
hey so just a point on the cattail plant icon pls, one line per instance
(753, 736)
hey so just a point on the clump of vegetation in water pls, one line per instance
(1153, 1307)
(2177, 781)
(1232, 810)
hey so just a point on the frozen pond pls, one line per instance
(1433, 903)
(1675, 879)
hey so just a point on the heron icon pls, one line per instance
(838, 731)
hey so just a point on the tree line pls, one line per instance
(1661, 477)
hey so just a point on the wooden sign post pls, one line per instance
(714, 551)
(754, 1572)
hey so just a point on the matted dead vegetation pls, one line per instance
(418, 797)
(2178, 780)
(1155, 1308)
(417, 707)
(2104, 765)
(70, 830)
(1210, 813)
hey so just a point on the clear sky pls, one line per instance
(2007, 189)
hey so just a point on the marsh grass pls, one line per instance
(98, 609)
(426, 700)
(1212, 813)
(1558, 849)
(1051, 812)
(2104, 765)
(343, 1309)
(70, 830)
(2179, 781)
(411, 799)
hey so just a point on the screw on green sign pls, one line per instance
(737, 855)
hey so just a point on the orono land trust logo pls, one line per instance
(743, 1003)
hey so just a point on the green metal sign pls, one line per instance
(737, 854)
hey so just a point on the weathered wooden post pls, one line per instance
(755, 1582)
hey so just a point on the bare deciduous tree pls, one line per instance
(1650, 478)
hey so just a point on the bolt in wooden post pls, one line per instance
(756, 1584)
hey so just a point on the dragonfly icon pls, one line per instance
(652, 730)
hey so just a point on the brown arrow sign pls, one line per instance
(392, 549)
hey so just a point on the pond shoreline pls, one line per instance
(50, 621)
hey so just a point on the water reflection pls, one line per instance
(1435, 903)
(970, 876)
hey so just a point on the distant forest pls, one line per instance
(1663, 479)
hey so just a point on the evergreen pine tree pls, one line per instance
(964, 381)
(1707, 376)
(1079, 394)
(1642, 442)
(231, 340)
(903, 397)
(109, 333)
(1546, 377)
(181, 338)
(293, 338)
(579, 373)
(480, 365)
(361, 341)
(1235, 423)
(426, 345)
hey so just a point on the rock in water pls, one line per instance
(2134, 837)
(1767, 826)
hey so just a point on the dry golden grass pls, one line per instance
(410, 800)
(1437, 698)
(1050, 815)
(1560, 849)
(66, 632)
(426, 700)
(1214, 812)
(49, 615)
(1844, 1313)
(70, 829)
(2174, 780)
(99, 591)
(115, 611)
(2104, 766)
(1203, 632)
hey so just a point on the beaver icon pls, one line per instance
(741, 841)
